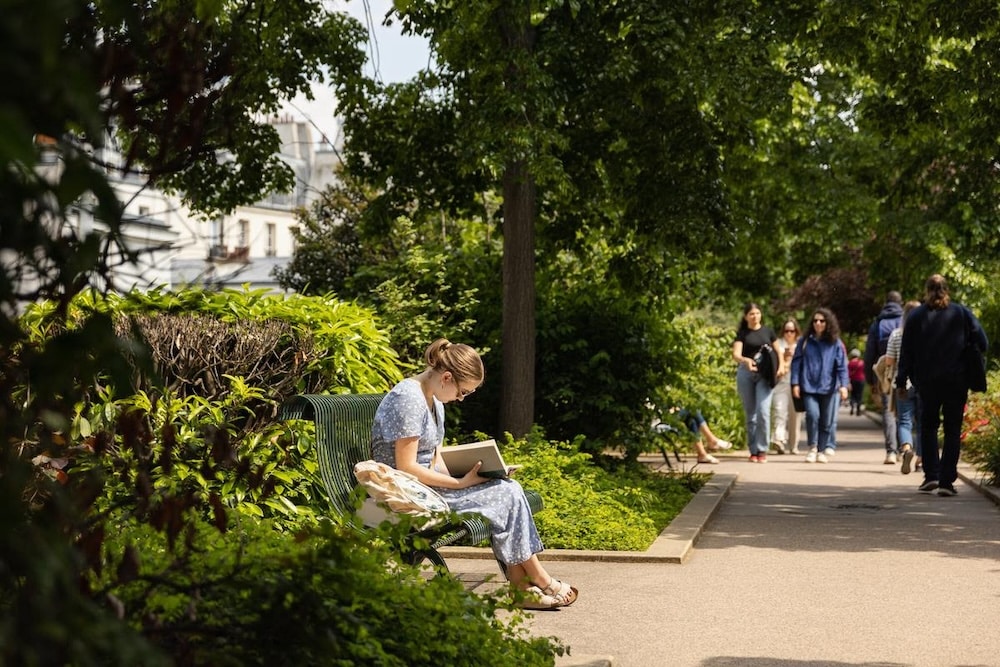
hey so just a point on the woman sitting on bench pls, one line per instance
(407, 434)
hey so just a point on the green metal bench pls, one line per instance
(343, 438)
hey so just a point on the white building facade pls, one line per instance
(179, 249)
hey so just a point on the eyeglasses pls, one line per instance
(819, 320)
(462, 393)
(789, 330)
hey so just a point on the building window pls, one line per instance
(219, 232)
(272, 240)
(244, 234)
(217, 248)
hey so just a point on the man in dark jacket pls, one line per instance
(931, 356)
(890, 318)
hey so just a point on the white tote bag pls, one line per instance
(392, 491)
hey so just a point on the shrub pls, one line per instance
(251, 596)
(981, 431)
(154, 451)
(601, 357)
(289, 344)
(588, 507)
(706, 384)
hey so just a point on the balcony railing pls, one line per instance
(222, 253)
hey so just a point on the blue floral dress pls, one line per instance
(403, 413)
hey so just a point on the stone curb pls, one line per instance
(673, 545)
(968, 474)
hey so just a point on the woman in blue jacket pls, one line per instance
(819, 377)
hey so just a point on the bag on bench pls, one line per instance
(399, 492)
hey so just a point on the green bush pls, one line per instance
(589, 507)
(981, 431)
(337, 346)
(709, 383)
(601, 358)
(252, 596)
(188, 448)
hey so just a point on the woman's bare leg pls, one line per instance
(529, 573)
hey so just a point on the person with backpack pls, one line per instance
(888, 320)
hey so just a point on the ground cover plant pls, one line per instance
(623, 507)
(254, 596)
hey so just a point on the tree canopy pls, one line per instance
(803, 154)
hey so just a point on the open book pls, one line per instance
(461, 458)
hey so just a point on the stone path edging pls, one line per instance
(969, 475)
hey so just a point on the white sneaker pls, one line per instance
(829, 451)
(812, 456)
(890, 459)
(723, 444)
(821, 457)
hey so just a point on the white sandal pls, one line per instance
(561, 591)
(535, 598)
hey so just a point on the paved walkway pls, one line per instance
(802, 565)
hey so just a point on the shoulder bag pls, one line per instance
(767, 364)
(972, 358)
(800, 403)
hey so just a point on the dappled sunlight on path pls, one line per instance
(804, 565)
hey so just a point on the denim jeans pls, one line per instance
(889, 425)
(820, 424)
(906, 411)
(755, 394)
(942, 402)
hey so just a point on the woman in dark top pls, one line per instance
(754, 388)
(930, 356)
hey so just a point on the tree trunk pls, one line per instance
(517, 383)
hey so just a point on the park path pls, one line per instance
(804, 565)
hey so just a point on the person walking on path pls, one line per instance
(885, 323)
(931, 357)
(755, 391)
(856, 374)
(905, 403)
(819, 377)
(785, 432)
